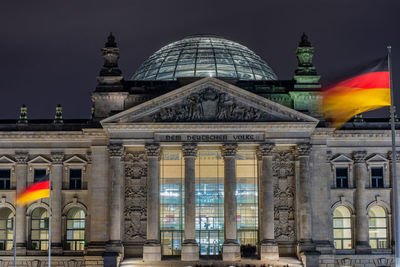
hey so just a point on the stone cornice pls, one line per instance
(84, 135)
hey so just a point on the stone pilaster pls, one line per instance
(360, 202)
(98, 199)
(21, 171)
(305, 187)
(56, 201)
(231, 248)
(268, 247)
(115, 152)
(152, 247)
(190, 249)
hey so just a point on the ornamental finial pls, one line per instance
(111, 41)
(23, 116)
(58, 118)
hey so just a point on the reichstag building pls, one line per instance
(202, 156)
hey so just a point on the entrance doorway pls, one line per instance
(210, 242)
(171, 242)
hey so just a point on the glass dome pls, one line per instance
(204, 56)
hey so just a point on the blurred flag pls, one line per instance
(366, 90)
(38, 190)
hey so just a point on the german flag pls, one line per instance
(38, 190)
(366, 90)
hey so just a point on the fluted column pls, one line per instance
(190, 250)
(231, 248)
(56, 201)
(360, 202)
(152, 247)
(305, 187)
(268, 246)
(115, 152)
(20, 175)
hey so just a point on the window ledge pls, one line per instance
(344, 189)
(31, 252)
(379, 188)
(381, 251)
(74, 252)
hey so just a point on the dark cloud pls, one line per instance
(50, 50)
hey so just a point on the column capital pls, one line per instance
(189, 149)
(57, 157)
(303, 149)
(229, 149)
(115, 149)
(21, 157)
(265, 149)
(153, 150)
(390, 156)
(359, 156)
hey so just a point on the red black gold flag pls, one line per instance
(367, 90)
(38, 190)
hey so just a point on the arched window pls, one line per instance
(40, 229)
(75, 229)
(6, 229)
(342, 231)
(377, 227)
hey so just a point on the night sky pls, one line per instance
(50, 50)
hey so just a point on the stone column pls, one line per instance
(152, 247)
(305, 187)
(360, 202)
(20, 226)
(268, 246)
(392, 220)
(231, 248)
(115, 152)
(56, 202)
(190, 249)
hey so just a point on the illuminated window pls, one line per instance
(6, 229)
(75, 229)
(209, 201)
(171, 201)
(342, 231)
(377, 227)
(247, 198)
(39, 229)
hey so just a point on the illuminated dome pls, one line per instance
(204, 56)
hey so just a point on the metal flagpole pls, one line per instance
(15, 238)
(394, 163)
(49, 220)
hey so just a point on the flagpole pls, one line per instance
(394, 163)
(15, 238)
(49, 220)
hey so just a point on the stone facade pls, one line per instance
(119, 153)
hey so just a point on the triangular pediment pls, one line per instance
(6, 160)
(39, 160)
(209, 100)
(376, 158)
(75, 160)
(340, 158)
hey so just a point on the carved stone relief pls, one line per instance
(210, 105)
(284, 195)
(135, 211)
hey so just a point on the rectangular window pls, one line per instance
(342, 177)
(38, 174)
(5, 175)
(75, 178)
(377, 177)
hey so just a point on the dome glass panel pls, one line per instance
(204, 56)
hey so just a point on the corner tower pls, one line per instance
(109, 96)
(306, 87)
